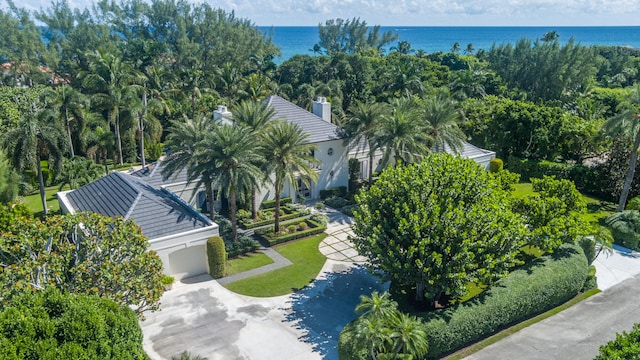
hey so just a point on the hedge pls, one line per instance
(340, 191)
(267, 233)
(270, 204)
(249, 224)
(625, 346)
(241, 246)
(216, 256)
(536, 287)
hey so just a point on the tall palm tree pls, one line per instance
(182, 142)
(231, 152)
(32, 140)
(627, 123)
(288, 155)
(68, 106)
(441, 123)
(363, 124)
(401, 134)
(111, 80)
(256, 116)
(101, 143)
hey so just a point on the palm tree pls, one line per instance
(408, 336)
(101, 143)
(28, 143)
(111, 81)
(363, 124)
(401, 135)
(182, 142)
(442, 118)
(78, 171)
(255, 116)
(455, 48)
(469, 49)
(68, 106)
(288, 156)
(627, 123)
(377, 305)
(231, 152)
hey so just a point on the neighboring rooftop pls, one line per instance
(317, 128)
(468, 151)
(158, 212)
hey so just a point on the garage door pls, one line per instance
(189, 262)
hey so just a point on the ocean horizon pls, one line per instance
(294, 40)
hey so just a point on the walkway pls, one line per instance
(337, 246)
(279, 261)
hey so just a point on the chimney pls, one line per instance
(322, 108)
(223, 116)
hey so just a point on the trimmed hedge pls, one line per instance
(495, 165)
(216, 256)
(248, 224)
(270, 204)
(243, 245)
(267, 233)
(340, 191)
(536, 287)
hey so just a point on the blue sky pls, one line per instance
(425, 12)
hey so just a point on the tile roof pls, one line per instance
(158, 212)
(318, 129)
(468, 151)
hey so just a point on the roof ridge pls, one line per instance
(133, 206)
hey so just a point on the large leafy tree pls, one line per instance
(288, 155)
(626, 123)
(365, 121)
(9, 179)
(437, 226)
(232, 153)
(83, 253)
(32, 141)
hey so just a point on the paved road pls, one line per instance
(575, 333)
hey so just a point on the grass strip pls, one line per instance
(307, 262)
(247, 262)
(462, 353)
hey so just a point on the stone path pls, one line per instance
(337, 246)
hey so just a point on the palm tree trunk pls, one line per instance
(68, 127)
(276, 214)
(232, 210)
(212, 211)
(43, 195)
(118, 140)
(370, 165)
(630, 172)
(141, 125)
(104, 161)
(419, 291)
(254, 211)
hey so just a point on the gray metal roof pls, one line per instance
(468, 151)
(152, 174)
(318, 129)
(158, 212)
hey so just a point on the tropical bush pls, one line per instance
(339, 191)
(273, 239)
(625, 228)
(625, 346)
(270, 204)
(216, 256)
(336, 202)
(55, 325)
(241, 246)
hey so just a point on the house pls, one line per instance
(176, 231)
(333, 170)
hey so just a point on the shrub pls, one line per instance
(537, 287)
(244, 214)
(270, 204)
(268, 235)
(349, 209)
(292, 228)
(319, 206)
(55, 325)
(625, 346)
(591, 282)
(506, 179)
(588, 245)
(339, 191)
(302, 225)
(268, 218)
(625, 227)
(335, 202)
(167, 280)
(320, 219)
(216, 256)
(495, 165)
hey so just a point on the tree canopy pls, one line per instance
(436, 226)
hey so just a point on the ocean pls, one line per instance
(294, 40)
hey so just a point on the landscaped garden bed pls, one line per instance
(266, 217)
(291, 230)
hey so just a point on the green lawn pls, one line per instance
(34, 203)
(596, 208)
(247, 262)
(307, 263)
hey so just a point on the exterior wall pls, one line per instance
(179, 262)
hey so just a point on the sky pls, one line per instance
(423, 12)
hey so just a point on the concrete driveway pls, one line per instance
(205, 319)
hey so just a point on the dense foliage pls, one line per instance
(437, 226)
(530, 290)
(55, 325)
(625, 346)
(82, 253)
(217, 257)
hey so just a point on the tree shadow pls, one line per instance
(322, 309)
